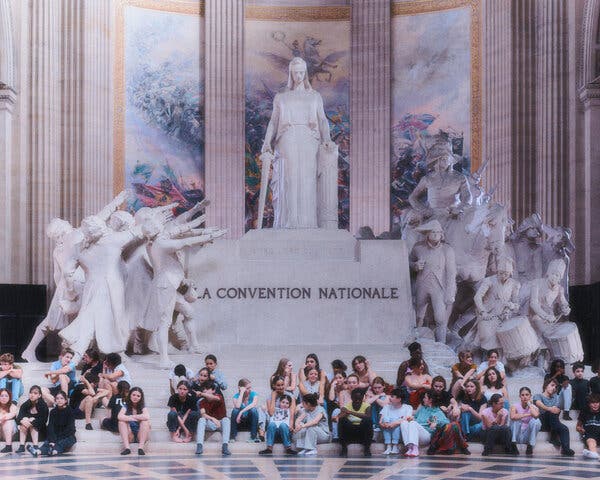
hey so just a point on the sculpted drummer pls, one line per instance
(434, 262)
(496, 300)
(547, 302)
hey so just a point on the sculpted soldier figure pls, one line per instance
(446, 189)
(434, 262)
(547, 302)
(496, 299)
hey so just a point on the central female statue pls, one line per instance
(298, 126)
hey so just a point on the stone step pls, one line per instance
(103, 442)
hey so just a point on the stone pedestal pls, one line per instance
(286, 287)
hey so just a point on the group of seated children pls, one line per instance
(308, 408)
(50, 411)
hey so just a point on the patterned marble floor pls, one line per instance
(302, 468)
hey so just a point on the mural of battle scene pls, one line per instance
(164, 108)
(270, 45)
(431, 89)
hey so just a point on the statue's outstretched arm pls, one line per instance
(175, 231)
(174, 244)
(187, 216)
(114, 204)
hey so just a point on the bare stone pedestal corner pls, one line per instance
(290, 287)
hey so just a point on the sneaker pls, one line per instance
(395, 450)
(302, 452)
(225, 450)
(126, 451)
(414, 451)
(514, 450)
(32, 450)
(232, 440)
(465, 451)
(253, 440)
(310, 452)
(567, 452)
(529, 450)
(261, 437)
(199, 449)
(21, 449)
(566, 416)
(387, 451)
(141, 451)
(88, 426)
(266, 451)
(591, 455)
(290, 451)
(6, 449)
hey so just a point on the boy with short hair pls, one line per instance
(216, 375)
(61, 375)
(213, 417)
(113, 372)
(588, 424)
(11, 376)
(580, 387)
(180, 372)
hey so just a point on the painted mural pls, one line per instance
(162, 132)
(434, 90)
(273, 38)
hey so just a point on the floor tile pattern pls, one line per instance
(212, 467)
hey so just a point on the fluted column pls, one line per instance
(370, 105)
(224, 112)
(45, 133)
(497, 93)
(8, 99)
(588, 194)
(97, 109)
(72, 120)
(552, 96)
(523, 105)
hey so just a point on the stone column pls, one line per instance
(45, 147)
(497, 92)
(523, 106)
(588, 194)
(552, 98)
(72, 106)
(8, 99)
(224, 113)
(97, 108)
(370, 105)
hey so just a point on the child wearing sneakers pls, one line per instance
(588, 424)
(391, 417)
(32, 419)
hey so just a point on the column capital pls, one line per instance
(8, 96)
(590, 95)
